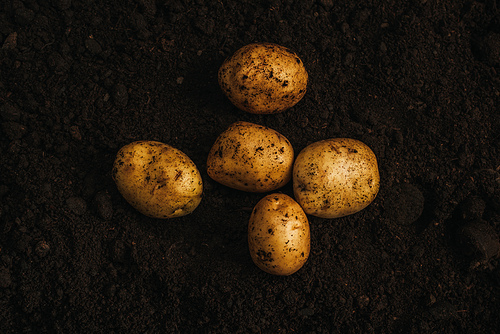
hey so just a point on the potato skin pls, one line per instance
(335, 177)
(263, 78)
(251, 158)
(279, 237)
(157, 179)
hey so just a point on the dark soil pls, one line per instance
(415, 80)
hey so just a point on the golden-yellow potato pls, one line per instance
(279, 238)
(157, 179)
(263, 78)
(251, 157)
(335, 177)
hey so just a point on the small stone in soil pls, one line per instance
(5, 279)
(405, 204)
(480, 240)
(120, 95)
(77, 205)
(42, 248)
(104, 205)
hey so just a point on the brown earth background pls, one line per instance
(415, 80)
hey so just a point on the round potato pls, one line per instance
(279, 238)
(263, 78)
(335, 177)
(158, 180)
(251, 157)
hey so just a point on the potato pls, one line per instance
(335, 177)
(158, 180)
(251, 157)
(279, 238)
(263, 78)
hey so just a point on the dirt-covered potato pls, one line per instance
(279, 235)
(263, 78)
(251, 157)
(158, 180)
(335, 177)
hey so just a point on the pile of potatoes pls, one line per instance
(331, 178)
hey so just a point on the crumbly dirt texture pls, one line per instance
(417, 81)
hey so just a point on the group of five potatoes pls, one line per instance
(331, 178)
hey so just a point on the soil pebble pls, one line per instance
(62, 4)
(10, 43)
(77, 205)
(404, 205)
(289, 297)
(5, 279)
(93, 46)
(42, 248)
(327, 4)
(118, 251)
(480, 240)
(120, 95)
(307, 312)
(104, 205)
(363, 301)
(206, 26)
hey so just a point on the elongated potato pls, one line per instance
(335, 177)
(251, 157)
(263, 78)
(279, 235)
(157, 179)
